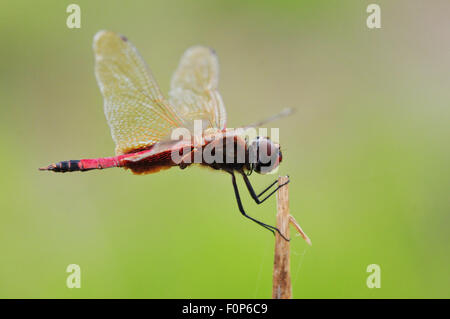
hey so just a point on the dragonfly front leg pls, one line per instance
(241, 209)
(255, 197)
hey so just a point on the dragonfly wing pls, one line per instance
(194, 87)
(136, 110)
(158, 149)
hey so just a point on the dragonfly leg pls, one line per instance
(251, 190)
(241, 209)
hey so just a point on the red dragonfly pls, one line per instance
(142, 119)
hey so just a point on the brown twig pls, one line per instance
(294, 223)
(282, 288)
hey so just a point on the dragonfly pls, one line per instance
(142, 119)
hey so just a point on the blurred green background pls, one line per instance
(367, 152)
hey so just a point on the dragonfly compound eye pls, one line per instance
(264, 155)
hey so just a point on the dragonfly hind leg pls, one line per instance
(252, 192)
(241, 209)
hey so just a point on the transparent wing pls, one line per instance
(286, 112)
(135, 108)
(194, 87)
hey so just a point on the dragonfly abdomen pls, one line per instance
(82, 165)
(65, 166)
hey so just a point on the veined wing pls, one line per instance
(194, 88)
(156, 150)
(135, 108)
(283, 113)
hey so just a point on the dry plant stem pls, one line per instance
(282, 288)
(294, 223)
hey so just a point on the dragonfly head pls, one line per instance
(264, 155)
